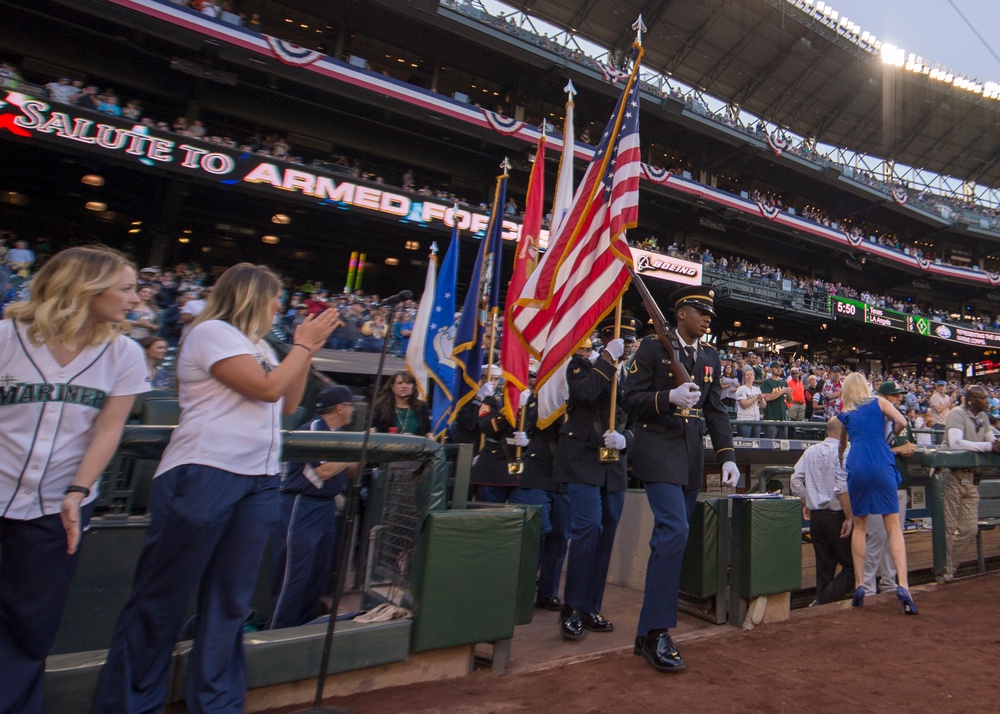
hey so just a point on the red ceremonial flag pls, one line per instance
(584, 270)
(514, 354)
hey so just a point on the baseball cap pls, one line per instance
(837, 368)
(890, 387)
(332, 396)
(941, 383)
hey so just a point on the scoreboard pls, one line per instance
(857, 311)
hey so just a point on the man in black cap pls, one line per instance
(595, 489)
(304, 537)
(668, 422)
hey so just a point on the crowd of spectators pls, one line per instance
(764, 274)
(269, 143)
(812, 392)
(949, 207)
(170, 298)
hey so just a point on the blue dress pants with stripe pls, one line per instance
(35, 577)
(303, 548)
(552, 550)
(208, 531)
(593, 521)
(672, 507)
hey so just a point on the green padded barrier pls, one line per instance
(528, 578)
(148, 442)
(160, 412)
(700, 568)
(770, 546)
(466, 581)
(273, 657)
(102, 584)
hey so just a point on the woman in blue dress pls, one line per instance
(872, 479)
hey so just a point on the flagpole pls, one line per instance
(614, 377)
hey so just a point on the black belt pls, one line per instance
(310, 496)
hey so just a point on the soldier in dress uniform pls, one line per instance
(595, 490)
(465, 428)
(538, 487)
(491, 473)
(668, 456)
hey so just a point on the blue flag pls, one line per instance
(481, 304)
(440, 338)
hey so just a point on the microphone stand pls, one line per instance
(344, 547)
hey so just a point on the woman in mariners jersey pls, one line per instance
(68, 378)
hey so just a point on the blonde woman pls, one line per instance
(214, 500)
(872, 479)
(68, 378)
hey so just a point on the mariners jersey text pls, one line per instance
(43, 392)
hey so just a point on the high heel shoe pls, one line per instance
(909, 607)
(859, 597)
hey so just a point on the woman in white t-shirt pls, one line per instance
(68, 377)
(729, 383)
(214, 500)
(749, 400)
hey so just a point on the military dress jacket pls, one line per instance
(582, 434)
(537, 458)
(490, 467)
(668, 446)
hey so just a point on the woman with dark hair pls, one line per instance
(214, 500)
(155, 349)
(70, 380)
(398, 409)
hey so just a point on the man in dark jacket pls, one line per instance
(595, 487)
(669, 421)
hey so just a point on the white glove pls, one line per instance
(685, 396)
(615, 349)
(486, 390)
(523, 401)
(593, 356)
(520, 438)
(614, 440)
(730, 474)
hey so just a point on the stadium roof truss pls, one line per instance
(796, 71)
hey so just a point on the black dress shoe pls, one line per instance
(595, 622)
(571, 623)
(549, 603)
(659, 651)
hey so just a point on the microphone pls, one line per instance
(398, 297)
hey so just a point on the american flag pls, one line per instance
(584, 271)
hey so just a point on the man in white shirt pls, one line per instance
(191, 310)
(968, 428)
(820, 481)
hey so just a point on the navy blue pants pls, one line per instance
(35, 575)
(493, 494)
(208, 526)
(552, 550)
(593, 521)
(672, 507)
(303, 546)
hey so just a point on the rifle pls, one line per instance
(663, 333)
